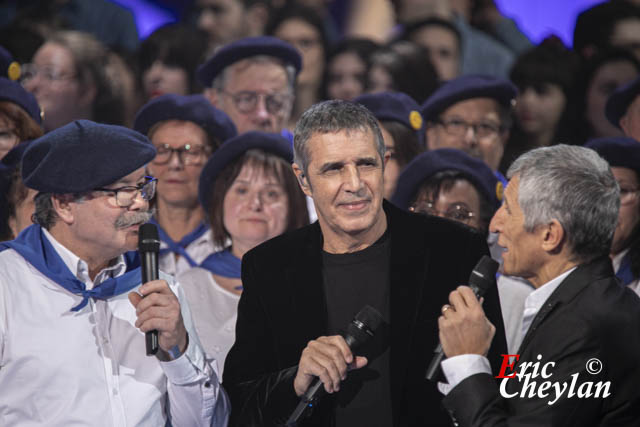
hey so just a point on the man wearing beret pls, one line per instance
(73, 313)
(253, 81)
(473, 114)
(185, 130)
(303, 288)
(623, 108)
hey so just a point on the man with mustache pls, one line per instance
(73, 312)
(302, 288)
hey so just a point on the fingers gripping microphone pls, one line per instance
(359, 331)
(482, 278)
(148, 247)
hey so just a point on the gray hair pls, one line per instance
(45, 214)
(220, 80)
(575, 186)
(331, 117)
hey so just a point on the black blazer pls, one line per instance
(588, 316)
(283, 307)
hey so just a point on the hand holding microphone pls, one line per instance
(157, 308)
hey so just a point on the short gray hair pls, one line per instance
(331, 117)
(45, 214)
(220, 80)
(575, 186)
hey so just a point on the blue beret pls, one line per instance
(234, 148)
(397, 107)
(244, 48)
(618, 151)
(9, 68)
(14, 92)
(193, 108)
(84, 155)
(467, 87)
(429, 163)
(620, 100)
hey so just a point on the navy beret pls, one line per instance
(193, 108)
(429, 163)
(234, 148)
(620, 100)
(9, 68)
(14, 92)
(618, 151)
(84, 155)
(244, 48)
(395, 106)
(467, 87)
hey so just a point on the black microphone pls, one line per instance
(148, 247)
(482, 278)
(359, 331)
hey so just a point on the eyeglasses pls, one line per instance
(459, 128)
(247, 101)
(31, 71)
(628, 195)
(456, 211)
(188, 154)
(125, 196)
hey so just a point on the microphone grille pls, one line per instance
(484, 274)
(148, 238)
(370, 318)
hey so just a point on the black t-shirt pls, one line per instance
(352, 281)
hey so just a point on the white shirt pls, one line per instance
(198, 250)
(214, 311)
(458, 368)
(62, 368)
(616, 261)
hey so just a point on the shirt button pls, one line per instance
(207, 384)
(216, 348)
(115, 391)
(228, 328)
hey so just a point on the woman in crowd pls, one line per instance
(167, 61)
(20, 122)
(402, 128)
(304, 29)
(346, 68)
(250, 195)
(623, 155)
(185, 131)
(545, 78)
(73, 76)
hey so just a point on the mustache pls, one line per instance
(128, 219)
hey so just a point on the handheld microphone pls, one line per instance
(481, 279)
(148, 247)
(359, 331)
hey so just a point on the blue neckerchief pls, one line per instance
(179, 248)
(624, 272)
(34, 247)
(224, 264)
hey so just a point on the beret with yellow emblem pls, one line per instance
(9, 67)
(395, 106)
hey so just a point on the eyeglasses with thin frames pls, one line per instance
(459, 128)
(29, 72)
(125, 196)
(456, 211)
(188, 154)
(247, 101)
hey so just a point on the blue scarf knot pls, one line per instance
(36, 249)
(179, 248)
(224, 264)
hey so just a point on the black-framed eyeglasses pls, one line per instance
(459, 128)
(188, 154)
(125, 196)
(455, 211)
(247, 101)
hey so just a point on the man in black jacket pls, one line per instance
(577, 363)
(302, 289)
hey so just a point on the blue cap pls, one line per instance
(620, 99)
(395, 106)
(244, 48)
(428, 163)
(84, 155)
(9, 68)
(618, 151)
(14, 92)
(234, 148)
(467, 87)
(193, 108)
